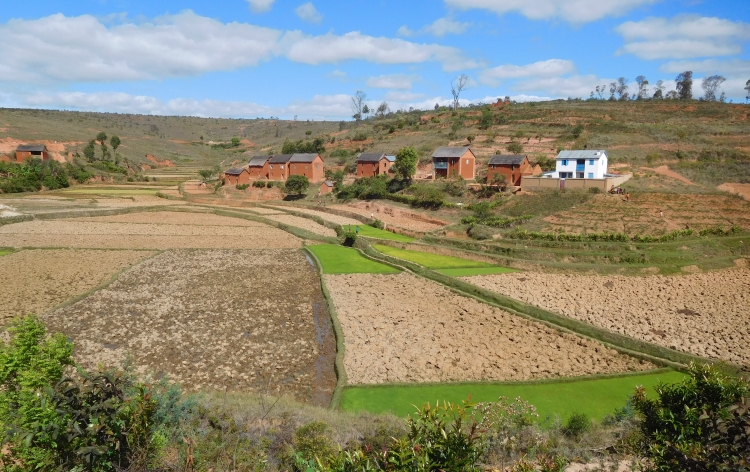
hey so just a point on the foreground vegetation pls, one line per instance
(54, 417)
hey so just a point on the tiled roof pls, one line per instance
(234, 171)
(280, 159)
(451, 151)
(303, 158)
(507, 160)
(258, 161)
(371, 157)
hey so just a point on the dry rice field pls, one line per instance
(37, 280)
(212, 320)
(336, 219)
(707, 314)
(148, 230)
(393, 216)
(304, 223)
(401, 328)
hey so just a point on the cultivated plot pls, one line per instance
(36, 280)
(303, 223)
(339, 220)
(395, 216)
(448, 265)
(210, 320)
(706, 314)
(177, 230)
(344, 260)
(401, 328)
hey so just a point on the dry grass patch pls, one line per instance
(36, 280)
(401, 328)
(706, 314)
(394, 216)
(336, 219)
(212, 319)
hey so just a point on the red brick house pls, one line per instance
(370, 164)
(278, 167)
(27, 151)
(309, 165)
(236, 176)
(258, 167)
(460, 161)
(513, 167)
(325, 188)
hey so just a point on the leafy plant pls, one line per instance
(296, 185)
(577, 425)
(242, 186)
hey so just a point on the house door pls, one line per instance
(562, 184)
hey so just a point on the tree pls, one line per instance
(101, 137)
(89, 151)
(358, 104)
(600, 90)
(747, 89)
(514, 147)
(672, 95)
(114, 141)
(457, 86)
(622, 88)
(382, 110)
(365, 111)
(296, 185)
(710, 85)
(470, 138)
(486, 120)
(235, 142)
(406, 163)
(684, 85)
(659, 90)
(642, 86)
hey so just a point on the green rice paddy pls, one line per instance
(595, 397)
(344, 260)
(448, 265)
(370, 232)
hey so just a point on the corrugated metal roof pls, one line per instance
(234, 171)
(31, 148)
(258, 161)
(391, 158)
(451, 151)
(507, 160)
(582, 154)
(303, 158)
(328, 183)
(371, 157)
(280, 159)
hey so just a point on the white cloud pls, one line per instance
(60, 48)
(307, 12)
(259, 6)
(402, 96)
(683, 37)
(573, 11)
(548, 68)
(562, 87)
(393, 81)
(736, 67)
(439, 28)
(331, 49)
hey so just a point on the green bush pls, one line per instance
(376, 223)
(427, 196)
(259, 184)
(32, 175)
(242, 186)
(296, 185)
(312, 442)
(479, 232)
(577, 425)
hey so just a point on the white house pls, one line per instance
(580, 165)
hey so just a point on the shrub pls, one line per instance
(454, 187)
(577, 425)
(595, 190)
(259, 184)
(296, 185)
(514, 147)
(242, 186)
(312, 442)
(479, 232)
(376, 223)
(360, 136)
(427, 196)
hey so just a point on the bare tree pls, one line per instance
(612, 90)
(659, 90)
(622, 88)
(710, 85)
(600, 90)
(457, 86)
(684, 85)
(747, 89)
(382, 109)
(642, 87)
(358, 104)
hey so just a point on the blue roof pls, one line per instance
(391, 158)
(582, 154)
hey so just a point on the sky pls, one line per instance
(281, 58)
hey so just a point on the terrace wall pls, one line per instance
(542, 183)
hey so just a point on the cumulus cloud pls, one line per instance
(573, 86)
(60, 48)
(736, 67)
(331, 48)
(307, 12)
(393, 81)
(259, 6)
(572, 11)
(439, 28)
(402, 97)
(548, 68)
(683, 37)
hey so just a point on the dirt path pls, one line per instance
(665, 171)
(401, 328)
(706, 314)
(742, 190)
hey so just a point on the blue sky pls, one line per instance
(261, 58)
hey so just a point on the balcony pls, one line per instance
(580, 167)
(441, 165)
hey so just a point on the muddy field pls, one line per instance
(304, 223)
(177, 230)
(37, 280)
(212, 319)
(641, 215)
(401, 328)
(394, 216)
(706, 314)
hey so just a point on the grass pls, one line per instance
(471, 271)
(5, 252)
(432, 261)
(343, 260)
(594, 397)
(370, 232)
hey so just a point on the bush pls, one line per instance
(242, 186)
(259, 184)
(514, 147)
(376, 223)
(427, 196)
(296, 185)
(312, 442)
(479, 232)
(454, 187)
(577, 425)
(595, 190)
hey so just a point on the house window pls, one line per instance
(281, 167)
(564, 162)
(591, 162)
(467, 162)
(271, 166)
(305, 167)
(591, 175)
